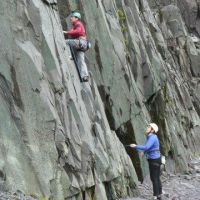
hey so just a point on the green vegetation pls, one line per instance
(126, 43)
(43, 198)
(124, 29)
(168, 100)
(122, 20)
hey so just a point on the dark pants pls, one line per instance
(154, 168)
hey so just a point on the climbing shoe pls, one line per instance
(85, 79)
(156, 198)
(71, 58)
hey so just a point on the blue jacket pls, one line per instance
(151, 148)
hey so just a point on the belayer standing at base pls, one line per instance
(152, 152)
(78, 43)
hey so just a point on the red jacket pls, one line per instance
(78, 30)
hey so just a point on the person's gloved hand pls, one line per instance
(65, 32)
(133, 145)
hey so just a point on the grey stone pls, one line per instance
(62, 139)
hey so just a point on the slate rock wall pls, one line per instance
(64, 139)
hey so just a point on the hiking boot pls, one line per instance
(156, 198)
(159, 198)
(71, 58)
(85, 79)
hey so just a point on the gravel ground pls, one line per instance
(175, 187)
(15, 196)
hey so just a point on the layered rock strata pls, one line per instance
(62, 139)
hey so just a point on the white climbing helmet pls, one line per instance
(154, 127)
(76, 14)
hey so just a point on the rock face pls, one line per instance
(64, 139)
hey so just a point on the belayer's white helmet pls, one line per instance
(76, 14)
(154, 127)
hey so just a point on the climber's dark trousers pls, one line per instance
(154, 168)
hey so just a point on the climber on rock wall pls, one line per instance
(78, 44)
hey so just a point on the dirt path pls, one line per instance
(176, 187)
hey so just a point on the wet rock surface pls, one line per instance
(183, 186)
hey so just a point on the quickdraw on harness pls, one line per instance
(84, 47)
